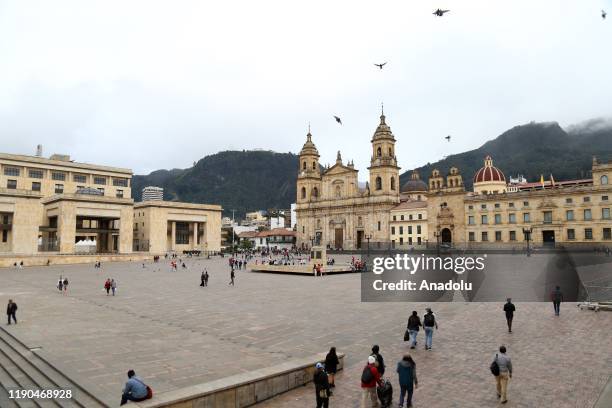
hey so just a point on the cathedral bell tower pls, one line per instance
(384, 172)
(309, 173)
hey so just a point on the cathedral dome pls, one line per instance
(489, 173)
(383, 131)
(414, 185)
(309, 147)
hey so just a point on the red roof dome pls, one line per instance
(489, 173)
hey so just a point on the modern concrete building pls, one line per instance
(152, 193)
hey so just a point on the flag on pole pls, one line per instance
(542, 180)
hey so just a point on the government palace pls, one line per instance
(333, 210)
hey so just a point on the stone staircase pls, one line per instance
(25, 369)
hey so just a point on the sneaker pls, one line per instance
(412, 347)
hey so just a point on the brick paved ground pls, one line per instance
(176, 334)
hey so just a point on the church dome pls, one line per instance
(414, 185)
(489, 173)
(309, 147)
(383, 131)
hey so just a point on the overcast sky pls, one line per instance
(158, 84)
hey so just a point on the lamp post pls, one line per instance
(527, 232)
(311, 238)
(368, 238)
(437, 235)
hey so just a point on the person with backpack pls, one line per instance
(509, 309)
(406, 369)
(370, 378)
(501, 368)
(135, 389)
(429, 323)
(414, 322)
(11, 311)
(331, 366)
(557, 297)
(380, 361)
(321, 386)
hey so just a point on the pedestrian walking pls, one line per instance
(205, 277)
(321, 386)
(60, 284)
(65, 286)
(429, 323)
(380, 361)
(113, 286)
(232, 276)
(406, 370)
(370, 378)
(107, 286)
(414, 322)
(557, 297)
(11, 311)
(202, 279)
(509, 309)
(331, 366)
(501, 367)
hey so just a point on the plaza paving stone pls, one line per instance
(175, 334)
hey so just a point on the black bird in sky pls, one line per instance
(440, 12)
(448, 138)
(603, 14)
(338, 119)
(381, 65)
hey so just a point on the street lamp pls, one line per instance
(527, 233)
(437, 235)
(368, 238)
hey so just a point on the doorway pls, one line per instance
(359, 239)
(446, 236)
(548, 237)
(339, 238)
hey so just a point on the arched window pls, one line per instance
(304, 166)
(378, 183)
(378, 152)
(390, 152)
(338, 192)
(392, 183)
(604, 180)
(303, 192)
(314, 165)
(315, 192)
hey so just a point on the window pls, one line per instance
(605, 213)
(420, 216)
(304, 166)
(401, 229)
(547, 217)
(101, 190)
(525, 203)
(588, 233)
(379, 225)
(59, 189)
(418, 229)
(100, 180)
(496, 205)
(512, 235)
(11, 171)
(35, 173)
(315, 193)
(587, 215)
(419, 240)
(483, 206)
(510, 205)
(498, 218)
(338, 192)
(586, 199)
(392, 230)
(402, 217)
(35, 186)
(571, 234)
(568, 201)
(471, 237)
(512, 218)
(11, 184)
(470, 207)
(410, 230)
(182, 233)
(484, 219)
(603, 179)
(498, 235)
(120, 182)
(4, 236)
(378, 152)
(604, 198)
(409, 217)
(392, 183)
(378, 183)
(607, 233)
(79, 178)
(303, 192)
(569, 215)
(471, 220)
(58, 176)
(484, 236)
(526, 217)
(394, 218)
(119, 193)
(314, 165)
(401, 240)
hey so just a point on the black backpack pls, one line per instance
(366, 375)
(494, 367)
(428, 320)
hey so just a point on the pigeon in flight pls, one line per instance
(440, 12)
(603, 14)
(338, 119)
(448, 138)
(381, 65)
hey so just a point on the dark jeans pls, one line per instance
(406, 389)
(509, 320)
(13, 316)
(322, 402)
(557, 306)
(128, 397)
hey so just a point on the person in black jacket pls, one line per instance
(379, 359)
(321, 386)
(331, 366)
(414, 322)
(11, 310)
(509, 309)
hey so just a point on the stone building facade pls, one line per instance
(332, 210)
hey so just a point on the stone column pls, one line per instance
(173, 238)
(66, 227)
(126, 230)
(195, 235)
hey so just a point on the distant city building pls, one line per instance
(278, 238)
(152, 193)
(293, 216)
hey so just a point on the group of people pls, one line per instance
(62, 285)
(110, 285)
(414, 323)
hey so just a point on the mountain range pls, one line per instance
(252, 180)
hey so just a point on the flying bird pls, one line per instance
(448, 138)
(603, 14)
(338, 119)
(440, 12)
(381, 65)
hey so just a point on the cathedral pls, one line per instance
(333, 210)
